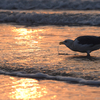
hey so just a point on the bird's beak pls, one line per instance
(60, 43)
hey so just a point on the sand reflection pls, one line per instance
(27, 89)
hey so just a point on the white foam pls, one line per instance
(58, 78)
(24, 18)
(50, 4)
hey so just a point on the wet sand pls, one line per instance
(35, 49)
(15, 88)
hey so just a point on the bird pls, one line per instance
(83, 44)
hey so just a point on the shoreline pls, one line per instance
(41, 76)
(26, 61)
(26, 88)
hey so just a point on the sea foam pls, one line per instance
(24, 18)
(42, 76)
(50, 4)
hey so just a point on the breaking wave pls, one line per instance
(24, 18)
(49, 77)
(50, 4)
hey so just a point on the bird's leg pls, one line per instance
(88, 54)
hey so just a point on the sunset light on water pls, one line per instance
(33, 66)
(27, 89)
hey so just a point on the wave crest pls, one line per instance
(24, 18)
(58, 78)
(50, 4)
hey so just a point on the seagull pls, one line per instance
(84, 44)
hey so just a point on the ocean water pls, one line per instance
(31, 57)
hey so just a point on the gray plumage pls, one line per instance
(84, 44)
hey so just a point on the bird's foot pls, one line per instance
(88, 55)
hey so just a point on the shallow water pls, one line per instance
(32, 63)
(34, 53)
(36, 49)
(14, 88)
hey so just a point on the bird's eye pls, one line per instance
(65, 41)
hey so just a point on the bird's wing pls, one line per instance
(89, 40)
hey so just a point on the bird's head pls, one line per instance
(67, 42)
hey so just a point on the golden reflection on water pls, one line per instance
(27, 36)
(27, 39)
(27, 89)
